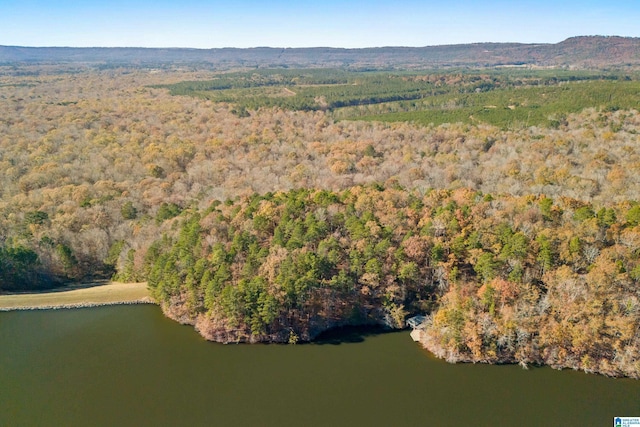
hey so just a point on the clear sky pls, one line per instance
(280, 23)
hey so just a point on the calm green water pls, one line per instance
(128, 365)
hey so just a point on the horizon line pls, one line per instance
(318, 47)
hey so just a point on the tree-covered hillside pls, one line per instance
(593, 51)
(529, 279)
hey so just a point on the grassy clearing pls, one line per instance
(90, 295)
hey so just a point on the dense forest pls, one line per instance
(269, 222)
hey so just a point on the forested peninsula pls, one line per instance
(524, 279)
(270, 205)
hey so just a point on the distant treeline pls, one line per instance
(575, 52)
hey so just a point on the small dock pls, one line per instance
(416, 323)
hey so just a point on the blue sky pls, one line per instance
(278, 23)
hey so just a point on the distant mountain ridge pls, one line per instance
(579, 52)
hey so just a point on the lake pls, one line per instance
(129, 365)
